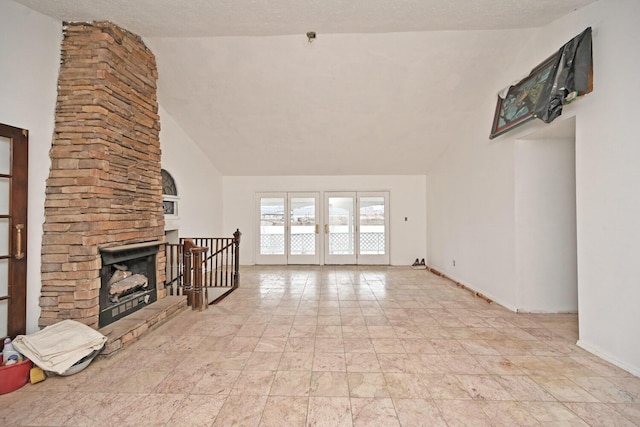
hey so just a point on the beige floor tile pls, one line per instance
(329, 344)
(498, 365)
(243, 411)
(549, 413)
(523, 388)
(243, 343)
(291, 383)
(463, 413)
(263, 361)
(341, 346)
(156, 410)
(418, 413)
(328, 384)
(253, 383)
(329, 362)
(218, 382)
(197, 410)
(329, 412)
(387, 345)
(628, 410)
(464, 364)
(374, 412)
(362, 362)
(599, 415)
(564, 389)
(407, 386)
(446, 386)
(606, 391)
(285, 412)
(271, 344)
(358, 345)
(509, 414)
(367, 384)
(483, 387)
(179, 381)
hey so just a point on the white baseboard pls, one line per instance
(634, 370)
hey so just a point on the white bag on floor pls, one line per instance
(57, 347)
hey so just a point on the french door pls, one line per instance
(13, 230)
(289, 228)
(356, 228)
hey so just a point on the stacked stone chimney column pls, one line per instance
(104, 186)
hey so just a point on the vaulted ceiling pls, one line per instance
(385, 88)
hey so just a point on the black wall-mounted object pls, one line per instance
(556, 81)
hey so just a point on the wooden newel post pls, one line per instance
(236, 257)
(187, 288)
(198, 255)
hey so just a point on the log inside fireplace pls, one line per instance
(127, 280)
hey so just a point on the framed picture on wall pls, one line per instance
(518, 106)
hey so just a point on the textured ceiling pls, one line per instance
(204, 18)
(354, 102)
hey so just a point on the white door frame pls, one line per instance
(284, 248)
(311, 258)
(362, 230)
(355, 230)
(340, 221)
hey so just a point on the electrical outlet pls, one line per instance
(454, 262)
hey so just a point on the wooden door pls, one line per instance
(13, 230)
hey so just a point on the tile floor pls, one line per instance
(339, 346)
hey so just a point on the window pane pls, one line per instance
(5, 154)
(272, 226)
(4, 317)
(341, 226)
(4, 278)
(4, 236)
(303, 226)
(372, 236)
(4, 196)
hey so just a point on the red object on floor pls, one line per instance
(12, 377)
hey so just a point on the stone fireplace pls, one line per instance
(127, 280)
(104, 189)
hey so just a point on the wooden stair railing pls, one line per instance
(202, 265)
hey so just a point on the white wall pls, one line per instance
(198, 182)
(545, 221)
(607, 186)
(407, 199)
(29, 65)
(470, 210)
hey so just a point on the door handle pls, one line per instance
(317, 228)
(326, 229)
(19, 253)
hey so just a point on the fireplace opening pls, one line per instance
(127, 280)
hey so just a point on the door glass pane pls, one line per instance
(5, 155)
(4, 317)
(4, 196)
(341, 226)
(4, 236)
(272, 226)
(4, 278)
(303, 226)
(372, 226)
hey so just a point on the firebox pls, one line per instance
(127, 280)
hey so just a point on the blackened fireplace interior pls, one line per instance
(127, 280)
